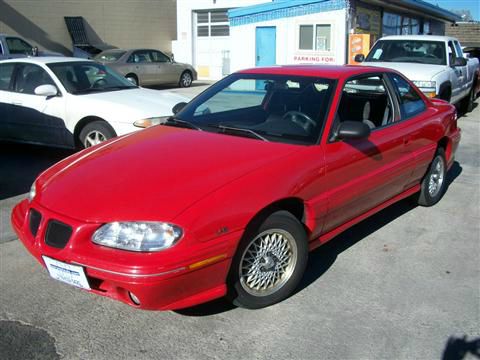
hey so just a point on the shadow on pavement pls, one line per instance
(321, 259)
(20, 164)
(460, 348)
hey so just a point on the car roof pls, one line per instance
(45, 60)
(418, 37)
(325, 71)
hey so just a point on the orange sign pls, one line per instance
(357, 44)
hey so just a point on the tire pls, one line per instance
(434, 183)
(132, 78)
(186, 79)
(94, 133)
(466, 104)
(281, 238)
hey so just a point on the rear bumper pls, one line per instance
(174, 286)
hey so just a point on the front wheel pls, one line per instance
(466, 105)
(95, 133)
(269, 262)
(434, 183)
(186, 79)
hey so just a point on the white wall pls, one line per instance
(204, 52)
(243, 39)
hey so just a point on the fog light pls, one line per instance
(134, 298)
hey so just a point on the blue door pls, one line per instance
(265, 46)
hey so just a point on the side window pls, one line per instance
(139, 57)
(157, 56)
(18, 46)
(451, 53)
(459, 49)
(410, 101)
(366, 99)
(29, 77)
(6, 71)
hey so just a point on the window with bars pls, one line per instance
(212, 23)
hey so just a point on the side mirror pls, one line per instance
(460, 61)
(34, 51)
(353, 130)
(46, 90)
(178, 107)
(172, 58)
(359, 58)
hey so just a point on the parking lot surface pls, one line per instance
(403, 284)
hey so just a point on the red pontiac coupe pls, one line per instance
(229, 195)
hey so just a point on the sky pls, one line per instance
(472, 5)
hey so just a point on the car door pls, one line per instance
(364, 173)
(38, 119)
(465, 80)
(143, 66)
(167, 71)
(459, 74)
(18, 47)
(7, 125)
(415, 118)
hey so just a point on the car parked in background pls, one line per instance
(148, 67)
(435, 64)
(70, 102)
(15, 47)
(228, 196)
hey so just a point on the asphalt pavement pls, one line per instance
(404, 284)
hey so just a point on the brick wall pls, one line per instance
(122, 23)
(466, 33)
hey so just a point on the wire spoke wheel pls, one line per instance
(268, 262)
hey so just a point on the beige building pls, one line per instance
(121, 23)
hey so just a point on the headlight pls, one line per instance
(138, 236)
(425, 84)
(33, 192)
(144, 123)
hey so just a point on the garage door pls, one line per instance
(211, 43)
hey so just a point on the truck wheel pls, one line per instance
(466, 104)
(445, 94)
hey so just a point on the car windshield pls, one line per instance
(109, 55)
(89, 77)
(409, 51)
(288, 109)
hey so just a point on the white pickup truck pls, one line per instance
(435, 64)
(12, 47)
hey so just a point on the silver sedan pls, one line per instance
(148, 67)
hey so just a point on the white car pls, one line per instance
(70, 102)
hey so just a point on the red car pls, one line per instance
(228, 196)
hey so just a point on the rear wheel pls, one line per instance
(467, 103)
(269, 262)
(96, 132)
(434, 183)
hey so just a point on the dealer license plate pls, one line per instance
(67, 273)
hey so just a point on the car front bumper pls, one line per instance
(167, 280)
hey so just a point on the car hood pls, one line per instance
(135, 103)
(412, 71)
(151, 175)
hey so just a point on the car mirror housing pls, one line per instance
(353, 130)
(460, 61)
(46, 90)
(177, 108)
(359, 58)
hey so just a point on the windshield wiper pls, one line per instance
(87, 91)
(238, 131)
(120, 87)
(173, 121)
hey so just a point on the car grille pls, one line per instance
(34, 221)
(57, 234)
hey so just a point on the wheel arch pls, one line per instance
(446, 86)
(446, 144)
(132, 74)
